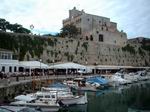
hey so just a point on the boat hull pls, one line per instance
(74, 100)
(40, 106)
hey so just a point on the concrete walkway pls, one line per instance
(15, 81)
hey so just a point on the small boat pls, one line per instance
(57, 87)
(75, 100)
(64, 94)
(46, 102)
(131, 77)
(80, 84)
(118, 79)
(98, 81)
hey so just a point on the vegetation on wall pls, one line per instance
(141, 52)
(50, 42)
(70, 57)
(85, 45)
(21, 44)
(146, 47)
(76, 51)
(69, 30)
(129, 48)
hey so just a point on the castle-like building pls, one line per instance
(96, 28)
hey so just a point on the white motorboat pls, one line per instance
(117, 79)
(65, 96)
(61, 96)
(131, 77)
(82, 99)
(80, 84)
(143, 75)
(46, 102)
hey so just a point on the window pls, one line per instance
(53, 96)
(38, 97)
(91, 37)
(9, 56)
(101, 38)
(10, 69)
(87, 38)
(15, 69)
(47, 96)
(3, 68)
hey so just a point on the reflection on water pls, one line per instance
(132, 98)
(75, 108)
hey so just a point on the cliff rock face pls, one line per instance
(55, 49)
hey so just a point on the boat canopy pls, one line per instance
(58, 85)
(24, 98)
(99, 80)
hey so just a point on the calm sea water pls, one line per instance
(131, 98)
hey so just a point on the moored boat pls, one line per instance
(65, 96)
(80, 84)
(46, 102)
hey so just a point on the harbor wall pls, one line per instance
(58, 49)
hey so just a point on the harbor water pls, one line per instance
(129, 98)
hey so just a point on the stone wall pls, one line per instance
(77, 49)
(83, 51)
(96, 27)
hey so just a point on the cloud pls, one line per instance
(132, 16)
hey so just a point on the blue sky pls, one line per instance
(132, 16)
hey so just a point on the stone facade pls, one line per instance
(95, 53)
(96, 28)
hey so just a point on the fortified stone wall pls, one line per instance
(83, 51)
(57, 49)
(96, 28)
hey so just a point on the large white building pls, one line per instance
(7, 63)
(10, 65)
(96, 28)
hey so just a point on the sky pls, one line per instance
(131, 16)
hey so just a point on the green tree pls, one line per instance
(3, 24)
(16, 28)
(69, 30)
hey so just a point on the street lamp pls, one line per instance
(53, 66)
(31, 27)
(86, 66)
(40, 65)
